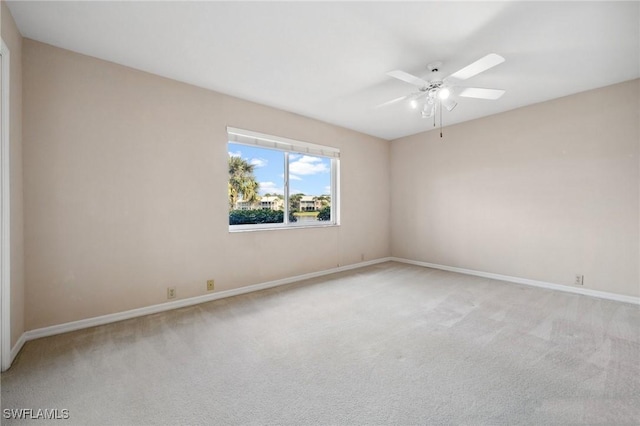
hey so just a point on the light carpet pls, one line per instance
(386, 344)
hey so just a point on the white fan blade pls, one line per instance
(393, 101)
(482, 64)
(408, 78)
(411, 97)
(478, 93)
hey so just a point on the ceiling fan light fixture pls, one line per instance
(428, 110)
(444, 93)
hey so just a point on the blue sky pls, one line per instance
(308, 174)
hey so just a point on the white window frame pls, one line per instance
(290, 146)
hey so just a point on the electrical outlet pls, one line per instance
(171, 293)
(209, 285)
(579, 280)
(362, 256)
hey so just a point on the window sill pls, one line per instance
(277, 227)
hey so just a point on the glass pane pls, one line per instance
(309, 188)
(256, 185)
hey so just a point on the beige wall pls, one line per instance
(125, 191)
(13, 40)
(542, 192)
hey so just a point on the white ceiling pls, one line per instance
(329, 60)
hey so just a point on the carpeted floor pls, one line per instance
(386, 344)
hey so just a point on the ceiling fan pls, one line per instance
(440, 92)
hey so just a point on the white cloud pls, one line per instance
(258, 162)
(307, 165)
(327, 190)
(309, 159)
(235, 154)
(270, 188)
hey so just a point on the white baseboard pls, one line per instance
(16, 348)
(526, 281)
(147, 310)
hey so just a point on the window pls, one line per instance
(276, 182)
